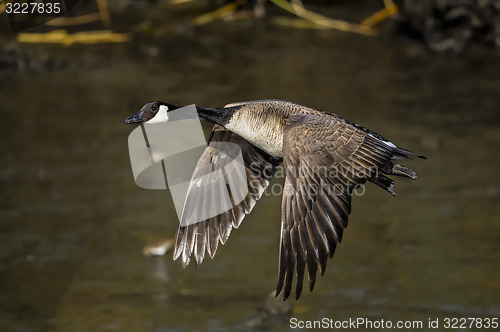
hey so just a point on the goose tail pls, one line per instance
(386, 183)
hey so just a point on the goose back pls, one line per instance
(262, 122)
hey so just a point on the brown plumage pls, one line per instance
(324, 157)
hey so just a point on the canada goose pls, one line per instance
(324, 156)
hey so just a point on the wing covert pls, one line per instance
(323, 165)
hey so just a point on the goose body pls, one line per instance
(324, 156)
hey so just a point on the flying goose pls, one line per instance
(324, 158)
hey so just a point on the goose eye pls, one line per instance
(154, 108)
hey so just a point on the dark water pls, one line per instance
(73, 223)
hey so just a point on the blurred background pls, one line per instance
(73, 224)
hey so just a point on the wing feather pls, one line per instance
(322, 168)
(215, 182)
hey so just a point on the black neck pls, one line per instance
(218, 116)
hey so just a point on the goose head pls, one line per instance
(158, 112)
(152, 112)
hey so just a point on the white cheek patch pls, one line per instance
(161, 116)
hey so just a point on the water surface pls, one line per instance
(73, 223)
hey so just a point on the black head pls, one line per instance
(155, 111)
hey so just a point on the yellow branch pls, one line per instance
(104, 12)
(77, 20)
(84, 37)
(323, 20)
(296, 23)
(388, 3)
(380, 16)
(212, 16)
(179, 2)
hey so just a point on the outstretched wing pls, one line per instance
(221, 192)
(323, 164)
